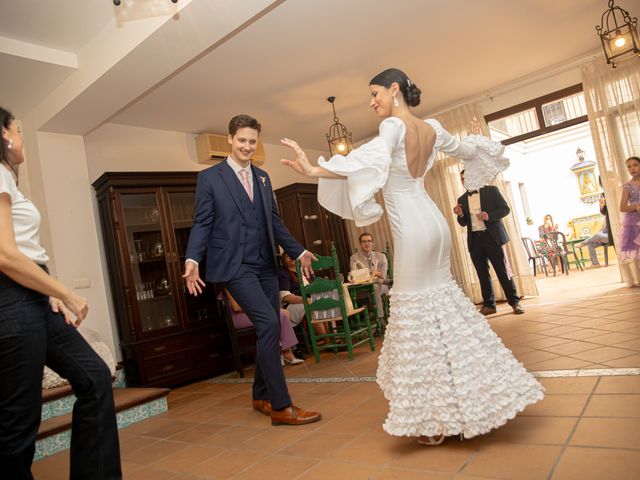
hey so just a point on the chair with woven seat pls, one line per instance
(326, 303)
(389, 282)
(534, 255)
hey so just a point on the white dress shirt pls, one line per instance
(475, 208)
(237, 168)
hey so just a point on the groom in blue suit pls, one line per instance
(237, 226)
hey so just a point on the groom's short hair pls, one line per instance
(243, 121)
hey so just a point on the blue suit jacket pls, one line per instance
(219, 225)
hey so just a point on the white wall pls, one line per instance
(72, 227)
(121, 148)
(528, 89)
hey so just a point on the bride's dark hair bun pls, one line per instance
(410, 91)
(412, 97)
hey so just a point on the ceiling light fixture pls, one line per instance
(618, 33)
(339, 137)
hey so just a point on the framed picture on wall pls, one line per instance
(588, 183)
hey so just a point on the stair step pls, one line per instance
(132, 405)
(51, 394)
(59, 400)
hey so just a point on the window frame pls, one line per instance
(536, 104)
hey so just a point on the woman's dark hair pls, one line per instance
(637, 159)
(5, 119)
(410, 91)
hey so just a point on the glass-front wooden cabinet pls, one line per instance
(167, 336)
(312, 225)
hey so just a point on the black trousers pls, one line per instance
(255, 288)
(31, 335)
(484, 250)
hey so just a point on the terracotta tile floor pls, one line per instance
(587, 427)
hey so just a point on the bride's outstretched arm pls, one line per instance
(302, 165)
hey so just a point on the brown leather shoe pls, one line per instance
(487, 310)
(293, 416)
(262, 406)
(517, 309)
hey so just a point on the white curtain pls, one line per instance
(443, 185)
(613, 105)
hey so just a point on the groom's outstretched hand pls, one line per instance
(305, 262)
(192, 278)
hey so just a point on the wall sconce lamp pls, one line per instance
(618, 33)
(338, 137)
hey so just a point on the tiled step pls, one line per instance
(132, 405)
(59, 400)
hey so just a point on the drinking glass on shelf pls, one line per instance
(149, 289)
(139, 251)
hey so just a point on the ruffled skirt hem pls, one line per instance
(444, 371)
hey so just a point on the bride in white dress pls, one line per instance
(442, 369)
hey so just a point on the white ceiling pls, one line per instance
(281, 67)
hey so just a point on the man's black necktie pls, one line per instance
(472, 192)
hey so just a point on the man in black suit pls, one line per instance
(481, 211)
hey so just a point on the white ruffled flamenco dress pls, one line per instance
(442, 369)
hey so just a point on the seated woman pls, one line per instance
(290, 294)
(287, 336)
(546, 247)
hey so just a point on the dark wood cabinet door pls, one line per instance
(151, 283)
(313, 226)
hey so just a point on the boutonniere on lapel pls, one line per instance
(263, 179)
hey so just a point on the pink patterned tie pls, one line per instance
(245, 183)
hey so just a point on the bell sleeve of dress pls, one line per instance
(366, 170)
(482, 158)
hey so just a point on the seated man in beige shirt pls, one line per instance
(376, 262)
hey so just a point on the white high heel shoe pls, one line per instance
(292, 361)
(431, 441)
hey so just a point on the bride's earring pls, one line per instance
(396, 103)
(10, 144)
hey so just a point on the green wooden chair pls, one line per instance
(385, 297)
(325, 303)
